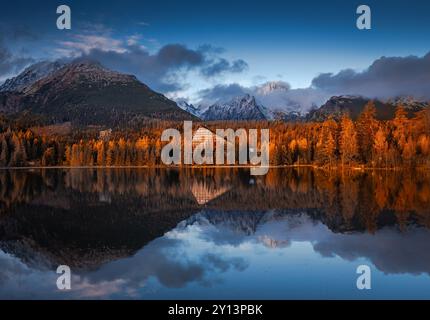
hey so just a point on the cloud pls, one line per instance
(222, 93)
(133, 40)
(177, 55)
(413, 245)
(126, 277)
(165, 70)
(411, 255)
(222, 65)
(386, 77)
(211, 246)
(83, 44)
(10, 64)
(163, 255)
(302, 99)
(160, 70)
(274, 95)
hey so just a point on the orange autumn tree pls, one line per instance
(366, 129)
(348, 148)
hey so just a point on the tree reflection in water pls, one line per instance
(91, 218)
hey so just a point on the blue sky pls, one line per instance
(250, 42)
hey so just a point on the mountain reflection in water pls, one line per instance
(214, 233)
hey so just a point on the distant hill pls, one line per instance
(86, 93)
(353, 105)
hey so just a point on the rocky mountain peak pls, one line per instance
(30, 75)
(190, 108)
(240, 108)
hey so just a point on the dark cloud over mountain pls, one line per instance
(164, 69)
(222, 66)
(222, 93)
(386, 77)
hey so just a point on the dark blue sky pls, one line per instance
(292, 41)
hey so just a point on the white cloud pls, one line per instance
(274, 95)
(82, 43)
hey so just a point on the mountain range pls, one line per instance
(246, 108)
(241, 108)
(84, 93)
(275, 100)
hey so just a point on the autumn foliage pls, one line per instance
(368, 142)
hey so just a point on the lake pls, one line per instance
(214, 233)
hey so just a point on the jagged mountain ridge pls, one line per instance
(246, 108)
(190, 108)
(30, 75)
(240, 108)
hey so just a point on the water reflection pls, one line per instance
(205, 233)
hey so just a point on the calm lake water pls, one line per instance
(214, 234)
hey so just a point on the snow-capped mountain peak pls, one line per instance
(246, 100)
(30, 75)
(272, 86)
(240, 108)
(190, 108)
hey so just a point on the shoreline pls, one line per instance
(336, 168)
